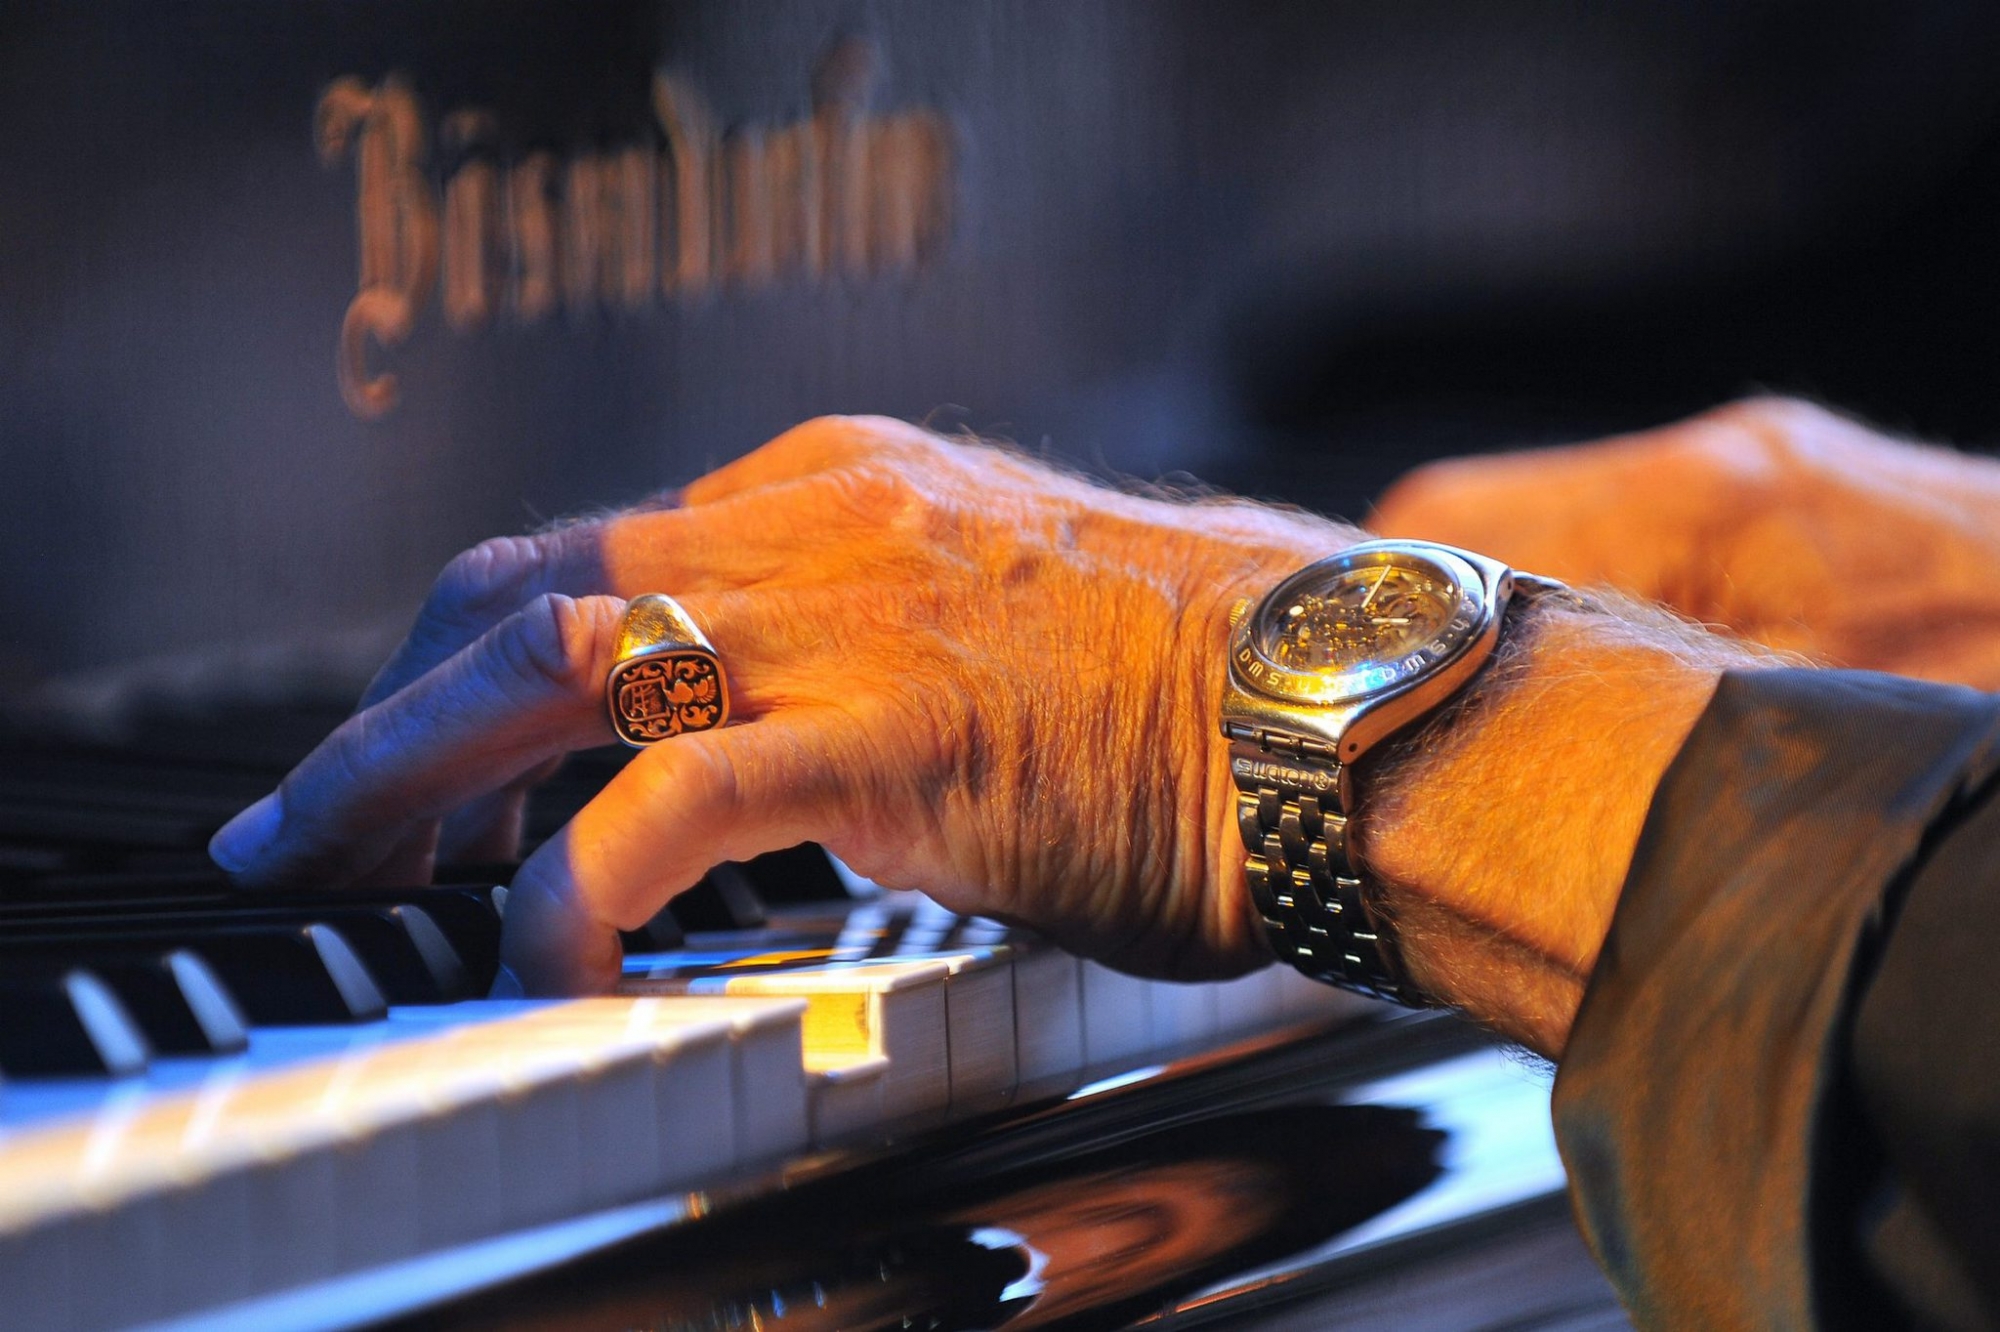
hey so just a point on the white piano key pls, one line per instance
(376, 1144)
(894, 1011)
(686, 1121)
(767, 1073)
(980, 1028)
(1117, 1015)
(36, 1264)
(1249, 1003)
(541, 1133)
(1048, 1016)
(1183, 1014)
(44, 1228)
(116, 1188)
(301, 1117)
(189, 1227)
(453, 1113)
(1302, 999)
(566, 1087)
(846, 1098)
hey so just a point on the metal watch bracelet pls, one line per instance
(1290, 812)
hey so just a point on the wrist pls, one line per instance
(1502, 829)
(1281, 543)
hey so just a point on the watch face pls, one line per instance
(1358, 623)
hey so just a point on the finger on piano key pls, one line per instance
(657, 935)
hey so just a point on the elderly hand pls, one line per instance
(1773, 519)
(956, 669)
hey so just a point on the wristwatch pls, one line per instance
(1336, 658)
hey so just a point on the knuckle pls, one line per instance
(811, 444)
(554, 639)
(1747, 446)
(690, 791)
(487, 575)
(879, 493)
(716, 781)
(329, 798)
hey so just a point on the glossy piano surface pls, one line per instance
(801, 1090)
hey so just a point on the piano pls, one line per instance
(298, 301)
(812, 1103)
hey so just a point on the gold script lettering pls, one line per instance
(531, 232)
(472, 217)
(396, 215)
(673, 215)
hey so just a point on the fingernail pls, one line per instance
(242, 838)
(506, 985)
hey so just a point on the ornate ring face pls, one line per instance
(666, 693)
(667, 679)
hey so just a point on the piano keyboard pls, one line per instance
(207, 1097)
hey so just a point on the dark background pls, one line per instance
(1290, 248)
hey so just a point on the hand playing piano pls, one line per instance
(955, 668)
(1773, 519)
(963, 672)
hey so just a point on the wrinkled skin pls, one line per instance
(955, 668)
(1773, 519)
(965, 673)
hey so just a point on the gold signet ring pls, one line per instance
(665, 678)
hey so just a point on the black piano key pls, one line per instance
(304, 976)
(57, 1022)
(281, 975)
(405, 951)
(723, 900)
(802, 873)
(657, 935)
(460, 964)
(443, 971)
(402, 948)
(178, 1001)
(469, 917)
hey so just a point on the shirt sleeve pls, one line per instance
(1780, 1103)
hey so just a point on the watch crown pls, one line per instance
(1238, 611)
